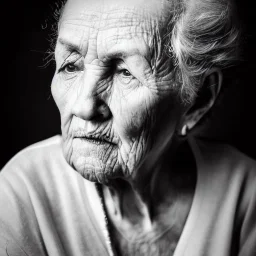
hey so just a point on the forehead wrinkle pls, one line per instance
(123, 47)
(73, 37)
(125, 18)
(124, 22)
(90, 19)
(106, 14)
(82, 22)
(107, 18)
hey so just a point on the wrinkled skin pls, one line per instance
(114, 88)
(119, 107)
(120, 110)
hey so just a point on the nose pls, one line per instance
(89, 104)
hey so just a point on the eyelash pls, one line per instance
(122, 71)
(72, 60)
(64, 68)
(124, 74)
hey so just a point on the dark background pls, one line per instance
(29, 112)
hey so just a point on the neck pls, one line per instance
(143, 200)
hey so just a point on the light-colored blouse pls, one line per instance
(46, 208)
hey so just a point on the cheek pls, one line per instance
(131, 112)
(64, 96)
(63, 99)
(60, 92)
(168, 115)
(54, 89)
(144, 120)
(133, 116)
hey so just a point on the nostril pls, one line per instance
(104, 110)
(91, 108)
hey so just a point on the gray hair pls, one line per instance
(201, 34)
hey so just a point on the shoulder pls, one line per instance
(34, 160)
(30, 169)
(227, 174)
(231, 176)
(22, 191)
(32, 174)
(36, 167)
(224, 159)
(38, 194)
(228, 186)
(35, 153)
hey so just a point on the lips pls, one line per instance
(95, 139)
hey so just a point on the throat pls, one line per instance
(126, 208)
(158, 241)
(155, 214)
(134, 231)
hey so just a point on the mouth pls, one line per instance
(95, 139)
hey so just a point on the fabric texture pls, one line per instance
(46, 208)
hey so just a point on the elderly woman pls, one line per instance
(133, 78)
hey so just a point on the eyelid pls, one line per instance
(119, 62)
(71, 59)
(121, 65)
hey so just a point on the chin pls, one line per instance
(94, 169)
(96, 162)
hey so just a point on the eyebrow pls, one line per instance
(116, 54)
(68, 45)
(123, 53)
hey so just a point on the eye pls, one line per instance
(125, 76)
(125, 73)
(70, 68)
(71, 65)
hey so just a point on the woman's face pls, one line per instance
(114, 89)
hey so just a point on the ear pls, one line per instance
(210, 88)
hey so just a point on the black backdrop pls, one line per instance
(29, 112)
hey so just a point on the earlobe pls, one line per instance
(205, 99)
(184, 130)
